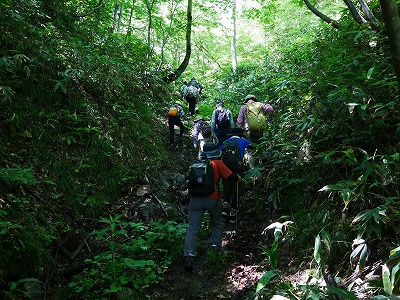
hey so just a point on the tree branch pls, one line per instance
(319, 14)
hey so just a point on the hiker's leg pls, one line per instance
(227, 186)
(237, 188)
(192, 105)
(196, 213)
(171, 126)
(256, 136)
(215, 211)
(181, 127)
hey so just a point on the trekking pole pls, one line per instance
(237, 204)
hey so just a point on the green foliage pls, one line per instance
(25, 244)
(136, 256)
(17, 175)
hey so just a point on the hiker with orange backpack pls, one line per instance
(203, 179)
(175, 113)
(252, 118)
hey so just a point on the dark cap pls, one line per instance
(210, 150)
(237, 131)
(250, 97)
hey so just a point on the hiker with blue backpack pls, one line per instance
(233, 151)
(252, 118)
(221, 122)
(205, 196)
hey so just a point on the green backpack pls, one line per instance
(255, 116)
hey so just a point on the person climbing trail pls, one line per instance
(221, 122)
(175, 113)
(252, 118)
(205, 196)
(233, 150)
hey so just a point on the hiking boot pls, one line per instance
(189, 264)
(216, 248)
(225, 209)
(232, 216)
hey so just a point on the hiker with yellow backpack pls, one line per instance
(252, 118)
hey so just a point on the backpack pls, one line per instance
(205, 129)
(201, 178)
(223, 119)
(191, 92)
(231, 156)
(173, 111)
(255, 116)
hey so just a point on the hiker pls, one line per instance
(195, 83)
(252, 118)
(202, 134)
(183, 87)
(191, 95)
(233, 151)
(221, 122)
(210, 202)
(175, 113)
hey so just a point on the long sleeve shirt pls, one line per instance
(242, 119)
(215, 116)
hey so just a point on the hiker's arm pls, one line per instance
(232, 123)
(240, 122)
(213, 120)
(195, 134)
(267, 109)
(233, 178)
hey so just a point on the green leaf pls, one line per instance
(265, 279)
(387, 284)
(363, 257)
(343, 293)
(369, 73)
(317, 246)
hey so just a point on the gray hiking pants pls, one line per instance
(197, 208)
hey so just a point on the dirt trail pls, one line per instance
(229, 274)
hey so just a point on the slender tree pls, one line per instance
(368, 13)
(233, 38)
(390, 14)
(354, 12)
(182, 67)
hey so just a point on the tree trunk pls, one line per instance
(149, 7)
(368, 13)
(233, 41)
(354, 12)
(390, 14)
(115, 16)
(175, 75)
(128, 32)
(321, 15)
(120, 18)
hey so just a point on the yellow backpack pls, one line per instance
(255, 116)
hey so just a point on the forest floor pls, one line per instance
(234, 272)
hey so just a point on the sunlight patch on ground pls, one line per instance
(241, 277)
